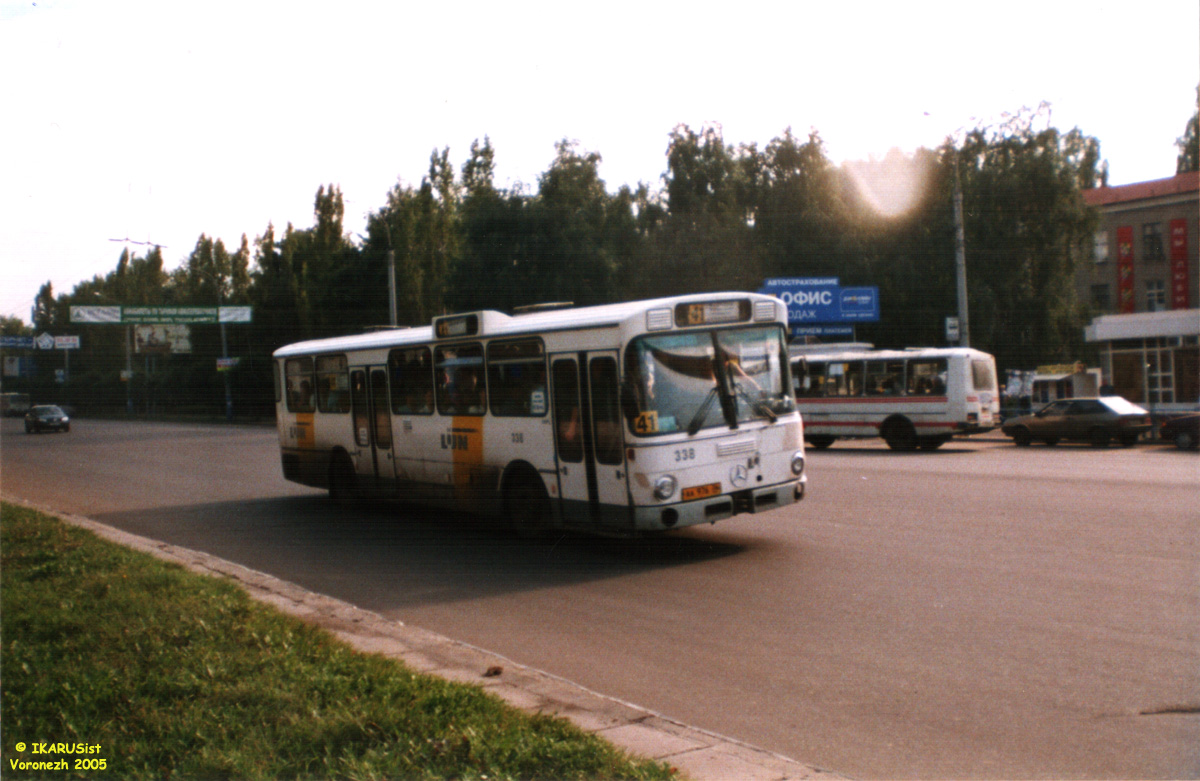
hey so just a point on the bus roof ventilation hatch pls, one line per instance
(549, 306)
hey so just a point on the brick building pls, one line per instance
(1144, 279)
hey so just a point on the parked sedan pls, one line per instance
(1184, 431)
(1095, 420)
(46, 417)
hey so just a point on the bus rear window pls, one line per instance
(982, 375)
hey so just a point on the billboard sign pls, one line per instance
(160, 315)
(162, 339)
(802, 331)
(812, 300)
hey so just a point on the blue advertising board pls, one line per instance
(824, 300)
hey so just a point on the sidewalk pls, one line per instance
(699, 755)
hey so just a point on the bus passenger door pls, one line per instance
(372, 418)
(589, 440)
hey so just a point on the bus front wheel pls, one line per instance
(900, 435)
(528, 509)
(341, 479)
(819, 441)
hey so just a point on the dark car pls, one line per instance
(46, 417)
(1095, 420)
(1184, 431)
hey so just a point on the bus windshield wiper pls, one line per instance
(702, 412)
(759, 405)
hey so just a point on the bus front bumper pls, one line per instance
(751, 500)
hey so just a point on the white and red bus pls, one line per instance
(619, 419)
(912, 398)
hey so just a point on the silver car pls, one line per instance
(1095, 420)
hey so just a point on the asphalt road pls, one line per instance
(981, 611)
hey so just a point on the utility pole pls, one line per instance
(395, 319)
(225, 355)
(960, 260)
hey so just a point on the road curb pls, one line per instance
(698, 754)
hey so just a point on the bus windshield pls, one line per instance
(704, 379)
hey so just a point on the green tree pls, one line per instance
(577, 221)
(45, 311)
(422, 227)
(1027, 228)
(322, 268)
(497, 239)
(705, 240)
(275, 293)
(1189, 143)
(901, 239)
(801, 224)
(14, 326)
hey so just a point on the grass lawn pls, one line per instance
(157, 672)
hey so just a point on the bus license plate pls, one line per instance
(701, 491)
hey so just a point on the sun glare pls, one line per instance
(894, 186)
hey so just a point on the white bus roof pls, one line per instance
(497, 324)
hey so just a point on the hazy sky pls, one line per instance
(158, 121)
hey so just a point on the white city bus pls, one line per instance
(918, 397)
(618, 419)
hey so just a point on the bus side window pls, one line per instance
(460, 382)
(885, 378)
(568, 426)
(812, 382)
(517, 379)
(333, 384)
(412, 381)
(606, 411)
(299, 373)
(845, 378)
(927, 378)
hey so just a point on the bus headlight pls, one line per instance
(664, 488)
(798, 463)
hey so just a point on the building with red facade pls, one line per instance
(1144, 278)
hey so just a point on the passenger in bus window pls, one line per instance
(568, 428)
(465, 394)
